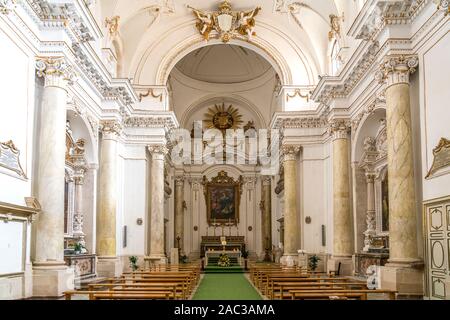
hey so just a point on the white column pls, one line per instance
(51, 276)
(157, 253)
(404, 272)
(108, 263)
(291, 227)
(78, 216)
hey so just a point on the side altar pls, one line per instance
(233, 243)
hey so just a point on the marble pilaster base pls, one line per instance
(109, 267)
(347, 268)
(405, 280)
(51, 282)
(303, 260)
(289, 260)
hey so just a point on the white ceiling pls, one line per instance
(223, 64)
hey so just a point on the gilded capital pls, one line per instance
(6, 6)
(290, 152)
(266, 181)
(55, 71)
(397, 69)
(111, 129)
(339, 128)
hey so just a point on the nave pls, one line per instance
(261, 281)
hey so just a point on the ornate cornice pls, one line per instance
(396, 69)
(339, 128)
(376, 14)
(64, 15)
(100, 79)
(297, 122)
(159, 121)
(6, 6)
(380, 100)
(330, 88)
(55, 71)
(290, 152)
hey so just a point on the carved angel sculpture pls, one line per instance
(205, 23)
(247, 22)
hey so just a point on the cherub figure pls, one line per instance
(247, 22)
(205, 22)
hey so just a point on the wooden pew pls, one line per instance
(301, 294)
(282, 290)
(131, 296)
(161, 294)
(176, 288)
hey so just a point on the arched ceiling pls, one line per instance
(223, 64)
(302, 23)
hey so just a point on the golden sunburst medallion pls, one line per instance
(223, 118)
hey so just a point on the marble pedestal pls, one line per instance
(52, 282)
(346, 265)
(407, 281)
(109, 267)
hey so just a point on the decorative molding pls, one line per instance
(179, 181)
(63, 15)
(380, 100)
(6, 6)
(152, 93)
(376, 14)
(10, 158)
(167, 122)
(298, 122)
(55, 71)
(444, 6)
(298, 93)
(397, 69)
(441, 157)
(327, 89)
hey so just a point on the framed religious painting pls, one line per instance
(223, 197)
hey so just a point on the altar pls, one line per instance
(233, 243)
(212, 256)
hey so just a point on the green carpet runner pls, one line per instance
(226, 286)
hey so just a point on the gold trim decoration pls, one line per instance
(441, 157)
(223, 118)
(10, 158)
(223, 181)
(298, 93)
(227, 23)
(152, 93)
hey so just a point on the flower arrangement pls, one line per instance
(313, 262)
(224, 261)
(133, 263)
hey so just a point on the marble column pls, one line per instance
(79, 216)
(266, 219)
(370, 214)
(51, 277)
(342, 215)
(179, 214)
(157, 252)
(291, 226)
(108, 263)
(404, 270)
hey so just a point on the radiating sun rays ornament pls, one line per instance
(223, 118)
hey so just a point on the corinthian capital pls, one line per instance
(111, 129)
(55, 71)
(396, 69)
(339, 128)
(158, 150)
(290, 152)
(179, 181)
(6, 6)
(444, 6)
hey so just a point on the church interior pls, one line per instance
(253, 150)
